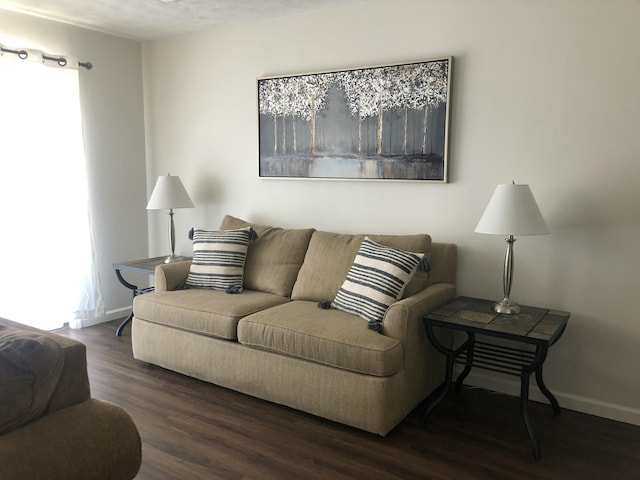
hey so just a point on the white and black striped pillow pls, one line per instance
(376, 280)
(218, 259)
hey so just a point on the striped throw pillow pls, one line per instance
(218, 259)
(376, 280)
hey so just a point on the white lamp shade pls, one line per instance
(169, 192)
(512, 210)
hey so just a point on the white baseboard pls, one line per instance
(117, 313)
(511, 386)
(110, 315)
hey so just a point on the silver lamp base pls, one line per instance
(506, 306)
(171, 258)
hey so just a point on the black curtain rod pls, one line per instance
(23, 54)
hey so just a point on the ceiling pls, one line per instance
(155, 19)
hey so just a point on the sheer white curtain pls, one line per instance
(48, 269)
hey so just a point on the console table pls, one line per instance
(146, 266)
(529, 335)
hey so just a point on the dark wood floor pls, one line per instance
(194, 430)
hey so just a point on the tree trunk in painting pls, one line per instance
(379, 130)
(312, 148)
(404, 141)
(284, 134)
(424, 127)
(295, 140)
(275, 134)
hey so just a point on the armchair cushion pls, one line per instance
(30, 368)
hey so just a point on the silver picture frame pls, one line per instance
(381, 123)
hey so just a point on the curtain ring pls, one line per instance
(62, 62)
(23, 54)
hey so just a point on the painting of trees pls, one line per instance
(388, 122)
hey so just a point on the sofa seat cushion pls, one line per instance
(274, 258)
(330, 256)
(30, 367)
(332, 337)
(208, 312)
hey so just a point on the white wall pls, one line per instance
(113, 116)
(543, 93)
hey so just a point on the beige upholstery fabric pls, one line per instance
(444, 263)
(93, 440)
(204, 311)
(170, 276)
(330, 256)
(30, 368)
(77, 438)
(274, 258)
(331, 337)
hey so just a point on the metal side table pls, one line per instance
(146, 266)
(530, 333)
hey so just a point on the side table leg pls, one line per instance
(524, 411)
(436, 397)
(471, 342)
(547, 393)
(134, 290)
(125, 322)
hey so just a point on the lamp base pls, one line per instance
(171, 258)
(506, 306)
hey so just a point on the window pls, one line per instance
(48, 263)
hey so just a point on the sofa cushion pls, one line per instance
(331, 337)
(30, 367)
(330, 256)
(274, 258)
(218, 259)
(207, 312)
(376, 279)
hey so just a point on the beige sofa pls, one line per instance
(50, 428)
(272, 340)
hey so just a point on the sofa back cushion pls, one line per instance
(330, 256)
(274, 258)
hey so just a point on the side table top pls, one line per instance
(531, 325)
(145, 265)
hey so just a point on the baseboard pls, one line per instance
(511, 386)
(117, 314)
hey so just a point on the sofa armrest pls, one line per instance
(402, 317)
(171, 275)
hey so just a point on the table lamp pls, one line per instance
(169, 192)
(511, 211)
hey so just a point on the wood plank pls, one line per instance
(194, 430)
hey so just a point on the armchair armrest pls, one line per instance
(170, 275)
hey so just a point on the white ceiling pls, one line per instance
(154, 19)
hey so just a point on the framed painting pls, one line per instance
(376, 123)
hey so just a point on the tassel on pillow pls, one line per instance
(375, 326)
(324, 304)
(424, 265)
